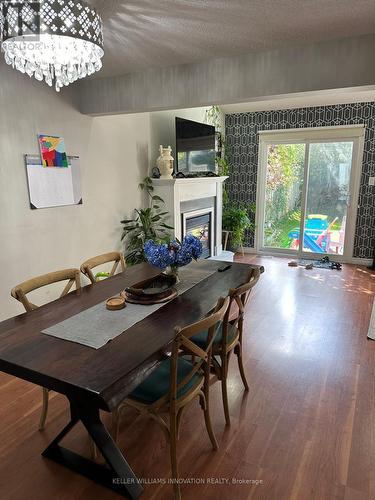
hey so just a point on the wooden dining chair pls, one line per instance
(116, 257)
(229, 338)
(177, 381)
(19, 292)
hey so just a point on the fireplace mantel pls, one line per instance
(204, 192)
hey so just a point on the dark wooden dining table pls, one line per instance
(94, 380)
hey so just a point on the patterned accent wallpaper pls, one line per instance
(242, 140)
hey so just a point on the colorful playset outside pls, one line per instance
(319, 235)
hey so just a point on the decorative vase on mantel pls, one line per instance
(165, 162)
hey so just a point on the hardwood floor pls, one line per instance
(305, 430)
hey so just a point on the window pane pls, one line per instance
(285, 164)
(327, 197)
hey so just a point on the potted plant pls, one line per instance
(236, 219)
(148, 224)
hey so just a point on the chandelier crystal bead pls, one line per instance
(58, 41)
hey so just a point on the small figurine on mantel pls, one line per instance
(165, 162)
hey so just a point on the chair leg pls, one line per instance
(115, 424)
(238, 351)
(173, 452)
(224, 390)
(204, 401)
(179, 415)
(43, 416)
(94, 450)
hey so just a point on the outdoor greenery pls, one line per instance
(329, 165)
(283, 192)
(277, 234)
(213, 117)
(329, 170)
(148, 224)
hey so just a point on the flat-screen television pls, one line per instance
(195, 147)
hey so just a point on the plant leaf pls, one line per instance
(155, 197)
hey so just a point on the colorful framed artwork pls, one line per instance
(53, 151)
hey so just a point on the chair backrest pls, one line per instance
(116, 257)
(20, 291)
(182, 345)
(240, 297)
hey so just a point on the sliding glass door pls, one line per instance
(283, 194)
(327, 197)
(305, 189)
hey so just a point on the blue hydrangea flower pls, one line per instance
(173, 254)
(158, 255)
(194, 245)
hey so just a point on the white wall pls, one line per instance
(114, 158)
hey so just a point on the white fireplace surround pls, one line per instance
(205, 195)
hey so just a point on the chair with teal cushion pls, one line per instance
(229, 338)
(201, 338)
(176, 381)
(157, 384)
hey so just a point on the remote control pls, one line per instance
(224, 268)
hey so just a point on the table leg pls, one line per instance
(116, 474)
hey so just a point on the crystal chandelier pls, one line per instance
(57, 41)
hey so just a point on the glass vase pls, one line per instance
(172, 271)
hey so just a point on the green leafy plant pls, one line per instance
(213, 117)
(148, 224)
(237, 220)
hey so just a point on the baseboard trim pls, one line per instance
(354, 260)
(248, 250)
(360, 262)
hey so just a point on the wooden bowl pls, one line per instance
(148, 300)
(116, 303)
(152, 291)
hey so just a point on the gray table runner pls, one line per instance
(96, 326)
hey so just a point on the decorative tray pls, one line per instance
(153, 291)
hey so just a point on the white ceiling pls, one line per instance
(140, 34)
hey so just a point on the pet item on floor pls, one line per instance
(336, 265)
(323, 263)
(293, 263)
(324, 260)
(101, 276)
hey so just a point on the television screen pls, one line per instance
(195, 147)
